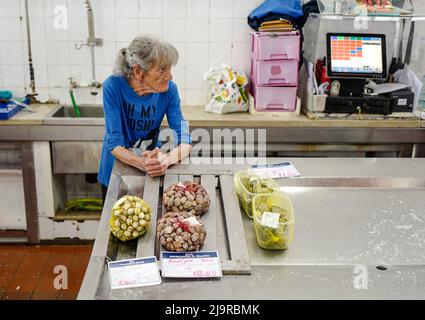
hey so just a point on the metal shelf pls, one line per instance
(334, 16)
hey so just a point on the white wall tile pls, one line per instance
(196, 97)
(221, 8)
(241, 30)
(13, 76)
(46, 228)
(78, 29)
(10, 8)
(127, 8)
(221, 30)
(99, 98)
(83, 96)
(195, 77)
(57, 52)
(105, 28)
(10, 29)
(103, 8)
(179, 75)
(219, 52)
(121, 44)
(49, 7)
(12, 52)
(58, 76)
(37, 29)
(127, 29)
(38, 52)
(81, 73)
(241, 56)
(151, 26)
(17, 91)
(105, 54)
(77, 9)
(198, 8)
(65, 229)
(174, 29)
(88, 229)
(40, 74)
(197, 30)
(43, 94)
(182, 95)
(53, 33)
(181, 49)
(41, 209)
(150, 8)
(197, 54)
(60, 94)
(174, 8)
(35, 8)
(242, 8)
(79, 57)
(103, 72)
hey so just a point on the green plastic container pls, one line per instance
(245, 196)
(280, 233)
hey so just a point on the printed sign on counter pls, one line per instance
(276, 170)
(203, 264)
(134, 273)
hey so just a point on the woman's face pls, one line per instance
(156, 78)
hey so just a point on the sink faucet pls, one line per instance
(95, 85)
(92, 41)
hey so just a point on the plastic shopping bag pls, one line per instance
(227, 90)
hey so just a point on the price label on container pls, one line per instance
(276, 170)
(203, 264)
(270, 219)
(134, 273)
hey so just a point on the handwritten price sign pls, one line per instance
(134, 273)
(204, 264)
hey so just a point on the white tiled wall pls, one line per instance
(206, 33)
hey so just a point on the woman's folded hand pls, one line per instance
(155, 162)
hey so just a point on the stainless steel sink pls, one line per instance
(65, 115)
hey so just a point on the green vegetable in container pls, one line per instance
(270, 237)
(253, 185)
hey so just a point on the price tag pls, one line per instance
(277, 170)
(203, 264)
(134, 273)
(270, 219)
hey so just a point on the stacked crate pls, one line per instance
(274, 70)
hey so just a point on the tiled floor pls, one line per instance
(28, 272)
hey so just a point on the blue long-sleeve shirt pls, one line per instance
(131, 119)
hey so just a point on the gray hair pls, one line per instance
(145, 51)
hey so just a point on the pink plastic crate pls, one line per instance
(274, 73)
(274, 98)
(275, 45)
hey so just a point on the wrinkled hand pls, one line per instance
(155, 162)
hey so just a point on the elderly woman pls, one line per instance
(135, 99)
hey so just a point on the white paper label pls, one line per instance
(402, 102)
(191, 221)
(202, 264)
(270, 219)
(134, 273)
(278, 170)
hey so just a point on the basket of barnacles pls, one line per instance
(186, 196)
(181, 231)
(130, 218)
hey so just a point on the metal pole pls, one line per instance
(32, 79)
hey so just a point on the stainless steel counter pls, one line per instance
(349, 214)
